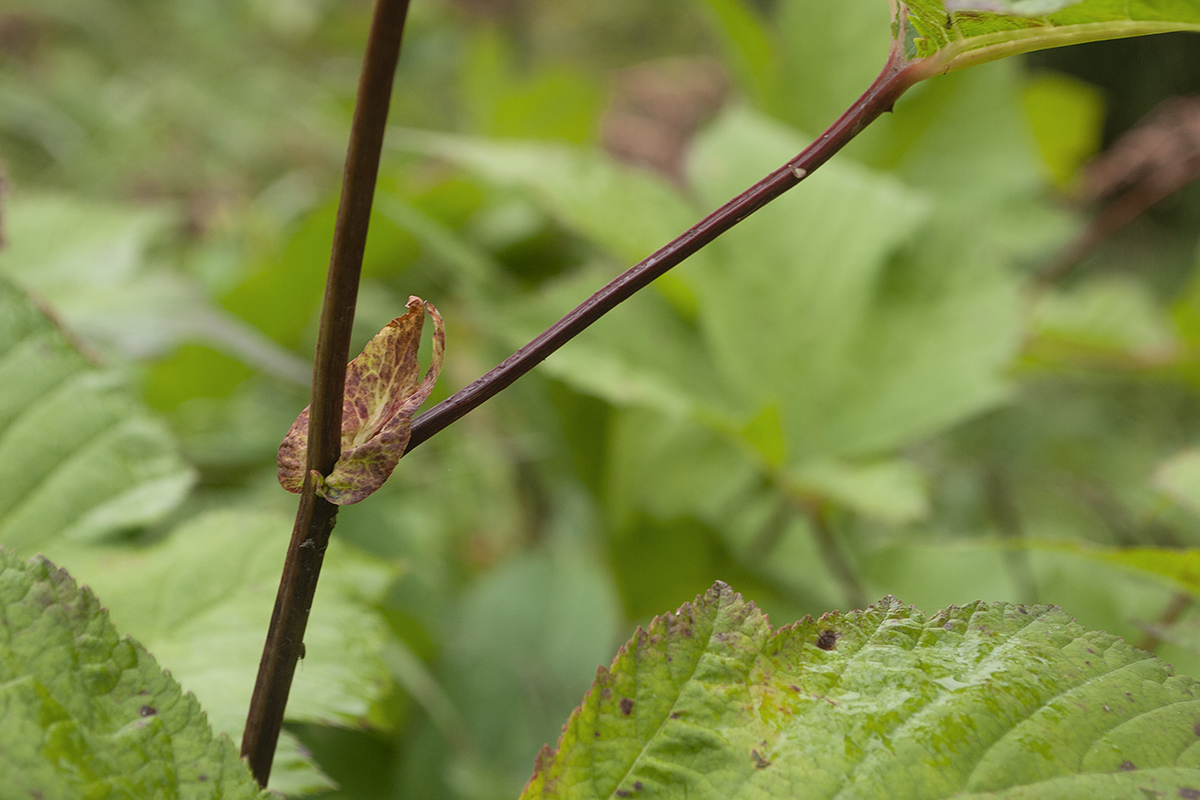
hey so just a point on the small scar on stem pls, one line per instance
(799, 172)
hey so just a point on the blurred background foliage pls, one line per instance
(959, 363)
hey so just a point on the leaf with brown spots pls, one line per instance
(383, 392)
(989, 701)
(87, 712)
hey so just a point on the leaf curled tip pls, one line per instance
(384, 389)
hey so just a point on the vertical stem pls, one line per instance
(315, 516)
(1007, 516)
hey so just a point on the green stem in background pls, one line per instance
(1007, 516)
(315, 517)
(897, 76)
(817, 512)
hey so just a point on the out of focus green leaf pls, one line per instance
(1179, 568)
(872, 323)
(894, 491)
(1114, 318)
(104, 270)
(520, 647)
(201, 601)
(1067, 117)
(553, 103)
(1179, 478)
(79, 458)
(750, 48)
(831, 53)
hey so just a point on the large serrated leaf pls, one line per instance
(202, 599)
(78, 458)
(953, 34)
(88, 713)
(987, 700)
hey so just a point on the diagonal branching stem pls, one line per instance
(896, 77)
(315, 516)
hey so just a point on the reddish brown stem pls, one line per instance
(895, 79)
(315, 517)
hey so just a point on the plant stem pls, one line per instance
(835, 561)
(1150, 637)
(315, 516)
(1007, 516)
(893, 81)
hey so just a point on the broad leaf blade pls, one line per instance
(987, 700)
(953, 34)
(1179, 479)
(886, 321)
(79, 459)
(202, 598)
(88, 713)
(96, 264)
(1178, 568)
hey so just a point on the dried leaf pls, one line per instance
(383, 392)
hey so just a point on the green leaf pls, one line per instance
(536, 627)
(983, 701)
(1067, 117)
(856, 279)
(892, 491)
(830, 53)
(954, 34)
(97, 265)
(505, 100)
(383, 392)
(201, 601)
(1179, 478)
(865, 319)
(749, 48)
(1177, 568)
(628, 211)
(611, 360)
(89, 713)
(690, 504)
(79, 458)
(1114, 318)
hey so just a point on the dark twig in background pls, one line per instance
(1140, 170)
